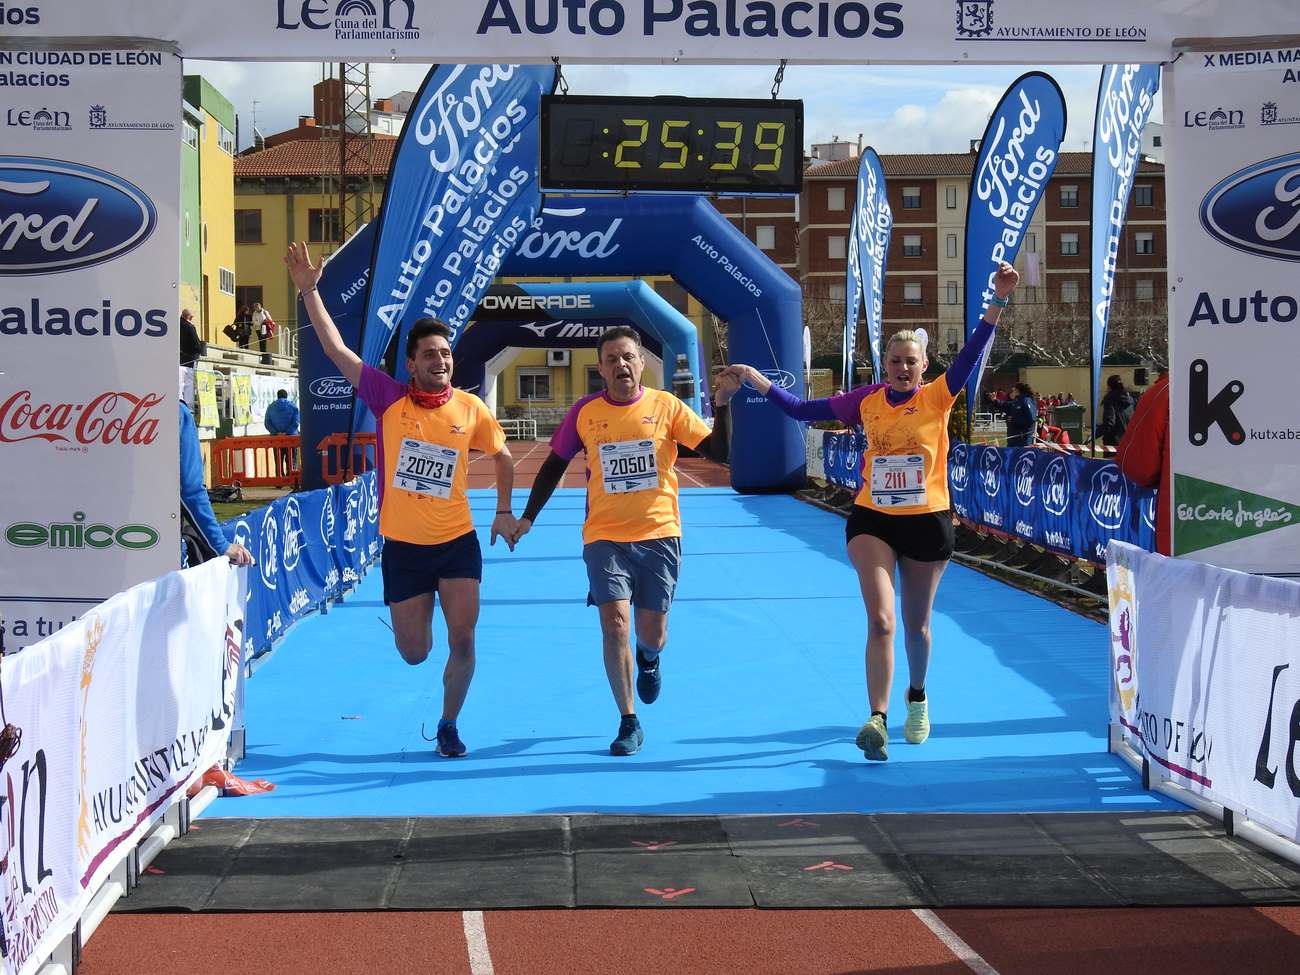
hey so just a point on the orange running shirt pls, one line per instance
(905, 468)
(423, 459)
(631, 452)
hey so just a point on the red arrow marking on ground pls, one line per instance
(668, 893)
(154, 870)
(654, 844)
(828, 865)
(799, 823)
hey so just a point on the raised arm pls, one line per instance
(1005, 280)
(305, 277)
(842, 408)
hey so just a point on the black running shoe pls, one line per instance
(449, 743)
(630, 737)
(649, 679)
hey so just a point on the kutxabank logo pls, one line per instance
(61, 216)
(1257, 209)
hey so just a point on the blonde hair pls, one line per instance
(909, 335)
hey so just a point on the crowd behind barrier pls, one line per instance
(1058, 500)
(310, 547)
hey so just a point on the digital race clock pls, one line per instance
(707, 145)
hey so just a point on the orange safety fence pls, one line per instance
(270, 461)
(333, 450)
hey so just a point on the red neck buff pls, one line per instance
(428, 401)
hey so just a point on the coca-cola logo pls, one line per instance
(112, 417)
(330, 387)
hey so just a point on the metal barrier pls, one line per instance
(269, 461)
(334, 465)
(519, 428)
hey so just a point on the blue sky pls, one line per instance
(897, 108)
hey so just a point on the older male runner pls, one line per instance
(632, 533)
(426, 430)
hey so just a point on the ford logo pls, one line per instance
(958, 472)
(330, 387)
(60, 216)
(1024, 478)
(990, 471)
(1108, 497)
(1257, 209)
(1055, 487)
(779, 377)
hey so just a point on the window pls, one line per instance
(594, 383)
(1156, 141)
(950, 197)
(765, 237)
(954, 293)
(835, 247)
(225, 139)
(911, 197)
(1031, 243)
(534, 384)
(248, 226)
(226, 280)
(247, 294)
(950, 247)
(1142, 195)
(954, 339)
(835, 198)
(912, 245)
(836, 293)
(1144, 290)
(1069, 244)
(1030, 296)
(911, 294)
(1069, 292)
(322, 226)
(190, 133)
(1145, 242)
(1069, 196)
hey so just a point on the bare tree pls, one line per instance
(1053, 333)
(1140, 328)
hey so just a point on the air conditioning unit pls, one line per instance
(557, 357)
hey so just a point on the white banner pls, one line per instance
(1232, 121)
(89, 188)
(265, 391)
(815, 462)
(1205, 682)
(120, 712)
(648, 31)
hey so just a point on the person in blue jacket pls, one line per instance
(205, 534)
(282, 421)
(1022, 415)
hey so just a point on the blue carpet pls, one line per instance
(763, 692)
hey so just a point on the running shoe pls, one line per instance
(649, 679)
(917, 726)
(873, 739)
(449, 743)
(630, 737)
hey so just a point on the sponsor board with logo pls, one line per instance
(95, 768)
(1003, 31)
(1234, 245)
(1228, 733)
(88, 418)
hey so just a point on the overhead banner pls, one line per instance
(120, 712)
(1205, 666)
(1232, 120)
(1125, 98)
(875, 224)
(89, 191)
(653, 31)
(1017, 157)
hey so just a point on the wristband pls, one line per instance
(507, 511)
(1000, 302)
(308, 291)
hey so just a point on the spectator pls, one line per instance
(282, 421)
(191, 344)
(1022, 415)
(241, 329)
(1000, 395)
(1048, 434)
(1116, 411)
(1144, 453)
(263, 325)
(201, 535)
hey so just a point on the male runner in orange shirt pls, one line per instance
(426, 430)
(632, 533)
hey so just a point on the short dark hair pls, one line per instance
(282, 394)
(614, 333)
(1114, 382)
(1025, 389)
(423, 328)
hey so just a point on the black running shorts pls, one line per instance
(925, 537)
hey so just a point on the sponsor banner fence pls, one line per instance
(89, 184)
(120, 712)
(309, 547)
(1062, 502)
(604, 31)
(1205, 667)
(1232, 120)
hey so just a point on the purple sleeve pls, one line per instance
(963, 365)
(378, 390)
(846, 407)
(565, 441)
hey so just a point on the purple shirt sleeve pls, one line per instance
(963, 365)
(846, 407)
(378, 390)
(565, 441)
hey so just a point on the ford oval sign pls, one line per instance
(779, 377)
(1257, 209)
(60, 216)
(330, 387)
